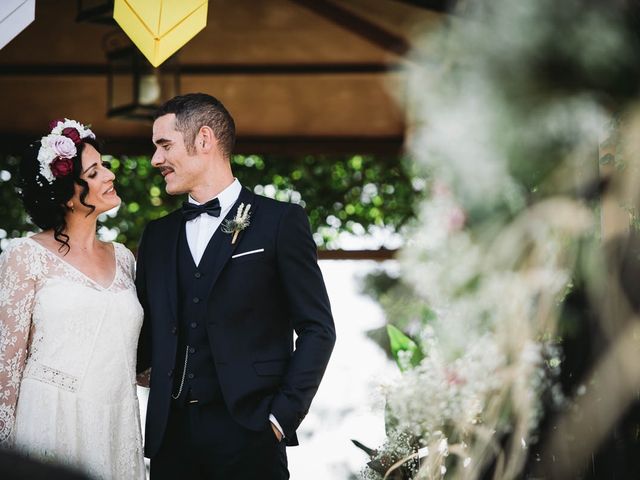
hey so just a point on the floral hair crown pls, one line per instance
(59, 147)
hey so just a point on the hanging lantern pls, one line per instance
(135, 88)
(15, 15)
(160, 28)
(95, 11)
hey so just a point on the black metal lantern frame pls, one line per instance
(135, 88)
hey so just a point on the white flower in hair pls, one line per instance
(46, 155)
(68, 123)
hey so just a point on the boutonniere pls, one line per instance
(239, 223)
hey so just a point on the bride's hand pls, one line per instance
(143, 379)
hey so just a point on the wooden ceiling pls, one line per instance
(297, 75)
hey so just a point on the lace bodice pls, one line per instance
(53, 321)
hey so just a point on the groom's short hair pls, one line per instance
(195, 110)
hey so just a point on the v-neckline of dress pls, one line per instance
(77, 270)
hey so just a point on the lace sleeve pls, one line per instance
(143, 379)
(17, 292)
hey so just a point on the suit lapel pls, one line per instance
(171, 279)
(226, 248)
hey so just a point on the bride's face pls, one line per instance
(102, 193)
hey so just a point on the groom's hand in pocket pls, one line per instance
(276, 432)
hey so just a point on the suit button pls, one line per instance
(174, 330)
(170, 373)
(197, 275)
(191, 375)
(192, 350)
(196, 300)
(194, 324)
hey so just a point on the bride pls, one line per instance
(69, 317)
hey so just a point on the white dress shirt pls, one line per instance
(200, 230)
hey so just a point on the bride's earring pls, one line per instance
(71, 208)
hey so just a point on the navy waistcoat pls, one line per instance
(200, 377)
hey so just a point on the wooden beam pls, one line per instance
(443, 6)
(376, 255)
(284, 145)
(362, 27)
(15, 143)
(231, 69)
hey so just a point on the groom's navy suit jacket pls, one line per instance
(254, 305)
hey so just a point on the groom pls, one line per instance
(224, 283)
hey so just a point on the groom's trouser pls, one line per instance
(205, 442)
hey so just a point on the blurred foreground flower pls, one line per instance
(509, 109)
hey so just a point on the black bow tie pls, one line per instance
(191, 210)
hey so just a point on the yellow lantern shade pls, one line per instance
(159, 28)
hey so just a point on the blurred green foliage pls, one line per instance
(341, 193)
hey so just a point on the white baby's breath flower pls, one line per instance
(68, 123)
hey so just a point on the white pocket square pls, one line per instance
(250, 252)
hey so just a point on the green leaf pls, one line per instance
(405, 351)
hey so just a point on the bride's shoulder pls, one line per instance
(21, 253)
(18, 245)
(125, 260)
(123, 251)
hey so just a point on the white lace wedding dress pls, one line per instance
(67, 362)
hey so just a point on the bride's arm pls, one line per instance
(17, 292)
(143, 367)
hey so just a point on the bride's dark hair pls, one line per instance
(46, 203)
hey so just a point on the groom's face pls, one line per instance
(181, 170)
